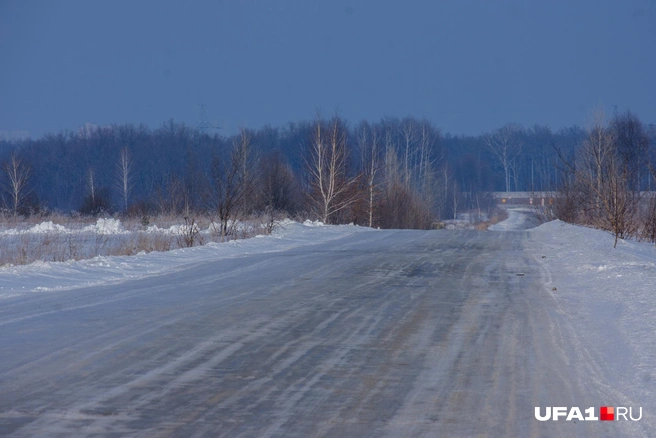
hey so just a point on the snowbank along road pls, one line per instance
(381, 333)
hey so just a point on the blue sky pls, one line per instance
(468, 66)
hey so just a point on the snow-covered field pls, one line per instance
(76, 239)
(609, 296)
(43, 276)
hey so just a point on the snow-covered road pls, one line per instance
(379, 333)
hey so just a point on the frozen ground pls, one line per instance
(334, 331)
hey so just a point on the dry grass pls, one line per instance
(23, 247)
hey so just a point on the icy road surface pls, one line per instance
(386, 333)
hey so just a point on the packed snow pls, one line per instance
(43, 276)
(518, 219)
(607, 294)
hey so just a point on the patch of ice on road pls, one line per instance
(519, 219)
(51, 276)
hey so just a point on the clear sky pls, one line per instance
(467, 65)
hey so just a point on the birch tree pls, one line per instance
(326, 164)
(369, 145)
(18, 174)
(506, 147)
(124, 181)
(91, 184)
(601, 182)
(232, 181)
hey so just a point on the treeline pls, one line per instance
(400, 173)
(608, 178)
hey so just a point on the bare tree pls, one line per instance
(247, 161)
(409, 138)
(368, 142)
(400, 206)
(327, 166)
(91, 185)
(124, 176)
(18, 174)
(97, 199)
(418, 140)
(600, 182)
(455, 199)
(172, 196)
(278, 188)
(649, 226)
(632, 145)
(232, 182)
(430, 155)
(506, 147)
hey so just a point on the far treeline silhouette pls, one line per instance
(400, 173)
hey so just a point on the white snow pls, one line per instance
(106, 226)
(102, 226)
(46, 227)
(51, 276)
(110, 226)
(43, 227)
(609, 296)
(518, 219)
